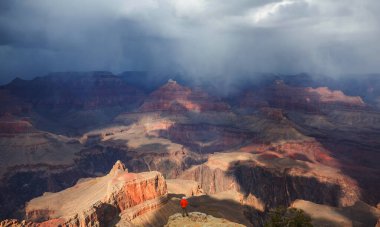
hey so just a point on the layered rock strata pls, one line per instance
(307, 99)
(173, 97)
(76, 90)
(98, 201)
(184, 187)
(205, 138)
(275, 181)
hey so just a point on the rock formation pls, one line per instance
(284, 142)
(205, 138)
(187, 188)
(70, 103)
(29, 157)
(281, 95)
(173, 97)
(97, 202)
(275, 181)
(92, 90)
(197, 219)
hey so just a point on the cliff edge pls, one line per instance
(99, 201)
(197, 219)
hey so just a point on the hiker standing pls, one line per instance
(183, 204)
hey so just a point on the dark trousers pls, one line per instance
(184, 211)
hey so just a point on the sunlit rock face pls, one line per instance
(307, 99)
(98, 201)
(199, 219)
(274, 179)
(173, 97)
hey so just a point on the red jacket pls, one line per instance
(184, 203)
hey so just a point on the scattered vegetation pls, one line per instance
(287, 217)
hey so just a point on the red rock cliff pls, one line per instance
(98, 201)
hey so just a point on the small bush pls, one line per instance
(287, 217)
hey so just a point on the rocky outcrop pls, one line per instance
(281, 95)
(275, 182)
(98, 201)
(25, 177)
(173, 97)
(146, 149)
(184, 187)
(277, 188)
(33, 163)
(140, 195)
(196, 219)
(325, 95)
(211, 180)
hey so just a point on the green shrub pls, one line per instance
(287, 217)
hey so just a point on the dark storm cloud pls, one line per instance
(200, 38)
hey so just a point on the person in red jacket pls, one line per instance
(184, 204)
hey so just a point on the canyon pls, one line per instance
(285, 142)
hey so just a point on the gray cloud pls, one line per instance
(200, 38)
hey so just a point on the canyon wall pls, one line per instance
(99, 201)
(272, 185)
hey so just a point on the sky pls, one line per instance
(199, 38)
